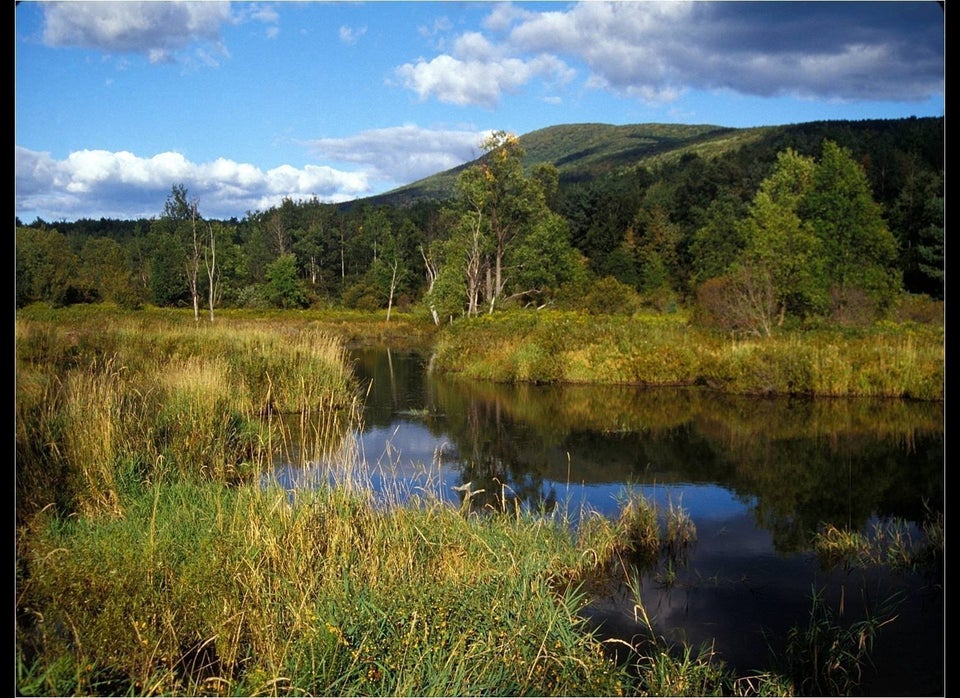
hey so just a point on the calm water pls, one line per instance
(756, 476)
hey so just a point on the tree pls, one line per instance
(195, 252)
(497, 207)
(780, 255)
(656, 251)
(104, 268)
(284, 289)
(446, 261)
(719, 241)
(857, 251)
(167, 281)
(180, 221)
(45, 266)
(215, 231)
(917, 216)
(469, 239)
(501, 205)
(389, 270)
(544, 260)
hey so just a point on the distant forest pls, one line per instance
(746, 228)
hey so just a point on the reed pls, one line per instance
(663, 668)
(891, 543)
(828, 657)
(99, 405)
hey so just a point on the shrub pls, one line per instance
(721, 306)
(918, 308)
(607, 296)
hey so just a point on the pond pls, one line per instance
(757, 477)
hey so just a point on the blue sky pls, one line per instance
(247, 103)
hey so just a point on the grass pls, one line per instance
(902, 360)
(198, 589)
(891, 543)
(826, 657)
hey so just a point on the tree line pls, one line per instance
(746, 241)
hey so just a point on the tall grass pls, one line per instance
(890, 543)
(100, 405)
(250, 591)
(826, 656)
(662, 668)
(903, 360)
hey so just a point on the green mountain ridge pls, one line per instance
(585, 151)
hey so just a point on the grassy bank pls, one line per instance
(245, 591)
(886, 360)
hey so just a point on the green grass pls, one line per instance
(899, 360)
(318, 594)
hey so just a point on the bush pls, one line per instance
(607, 296)
(852, 307)
(918, 308)
(719, 307)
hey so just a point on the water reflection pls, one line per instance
(757, 477)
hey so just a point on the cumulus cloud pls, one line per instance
(156, 29)
(99, 183)
(480, 81)
(655, 51)
(404, 154)
(162, 31)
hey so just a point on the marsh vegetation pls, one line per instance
(155, 557)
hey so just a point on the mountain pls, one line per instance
(585, 151)
(582, 152)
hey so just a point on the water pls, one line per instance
(756, 475)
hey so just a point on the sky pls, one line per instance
(248, 103)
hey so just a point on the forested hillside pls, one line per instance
(747, 228)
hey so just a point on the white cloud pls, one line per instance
(404, 154)
(503, 15)
(156, 29)
(349, 35)
(480, 82)
(99, 183)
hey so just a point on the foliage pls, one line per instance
(608, 296)
(284, 289)
(45, 267)
(857, 250)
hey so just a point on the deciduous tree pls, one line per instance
(857, 251)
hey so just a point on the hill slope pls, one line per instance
(584, 151)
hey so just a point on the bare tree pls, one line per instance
(213, 273)
(432, 271)
(193, 262)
